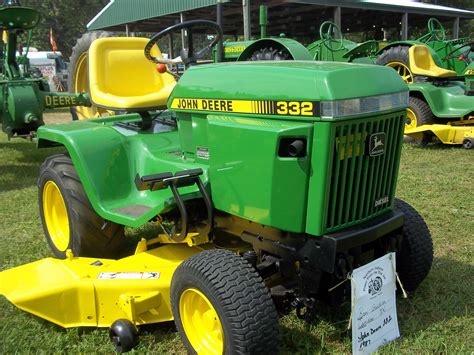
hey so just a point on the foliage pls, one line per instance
(67, 18)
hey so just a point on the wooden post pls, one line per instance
(337, 16)
(182, 18)
(220, 45)
(456, 28)
(246, 15)
(405, 26)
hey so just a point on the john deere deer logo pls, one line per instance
(377, 144)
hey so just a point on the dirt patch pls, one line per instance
(57, 117)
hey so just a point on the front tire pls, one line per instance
(68, 219)
(415, 257)
(221, 305)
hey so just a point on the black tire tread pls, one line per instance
(423, 112)
(91, 235)
(244, 298)
(394, 54)
(415, 258)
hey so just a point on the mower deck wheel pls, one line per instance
(221, 306)
(468, 143)
(69, 221)
(124, 335)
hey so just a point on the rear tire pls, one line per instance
(415, 257)
(68, 219)
(397, 58)
(78, 81)
(222, 289)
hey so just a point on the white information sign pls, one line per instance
(374, 309)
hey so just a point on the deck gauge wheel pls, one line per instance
(124, 335)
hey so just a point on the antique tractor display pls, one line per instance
(266, 196)
(441, 106)
(24, 95)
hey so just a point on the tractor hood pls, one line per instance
(285, 89)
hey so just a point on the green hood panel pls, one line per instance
(107, 162)
(286, 80)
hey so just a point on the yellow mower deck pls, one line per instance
(96, 292)
(450, 133)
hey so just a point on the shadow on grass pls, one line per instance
(22, 171)
(445, 294)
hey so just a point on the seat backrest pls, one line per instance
(422, 63)
(121, 77)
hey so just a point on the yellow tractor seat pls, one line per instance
(121, 78)
(422, 63)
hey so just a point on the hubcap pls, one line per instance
(411, 120)
(402, 70)
(55, 215)
(201, 323)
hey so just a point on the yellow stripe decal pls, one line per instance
(258, 107)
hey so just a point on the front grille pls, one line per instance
(362, 186)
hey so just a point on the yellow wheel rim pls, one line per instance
(55, 215)
(403, 70)
(411, 120)
(81, 84)
(201, 323)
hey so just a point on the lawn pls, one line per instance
(438, 181)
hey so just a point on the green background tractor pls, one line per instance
(23, 95)
(265, 198)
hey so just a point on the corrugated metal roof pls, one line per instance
(119, 12)
(414, 7)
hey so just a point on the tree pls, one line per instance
(67, 19)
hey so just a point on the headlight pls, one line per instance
(364, 105)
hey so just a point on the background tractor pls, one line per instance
(24, 95)
(265, 199)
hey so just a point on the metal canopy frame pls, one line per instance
(295, 18)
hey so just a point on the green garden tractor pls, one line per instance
(267, 182)
(24, 95)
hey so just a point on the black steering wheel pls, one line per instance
(188, 55)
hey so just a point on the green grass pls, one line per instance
(437, 181)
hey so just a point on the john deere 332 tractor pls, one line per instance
(270, 182)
